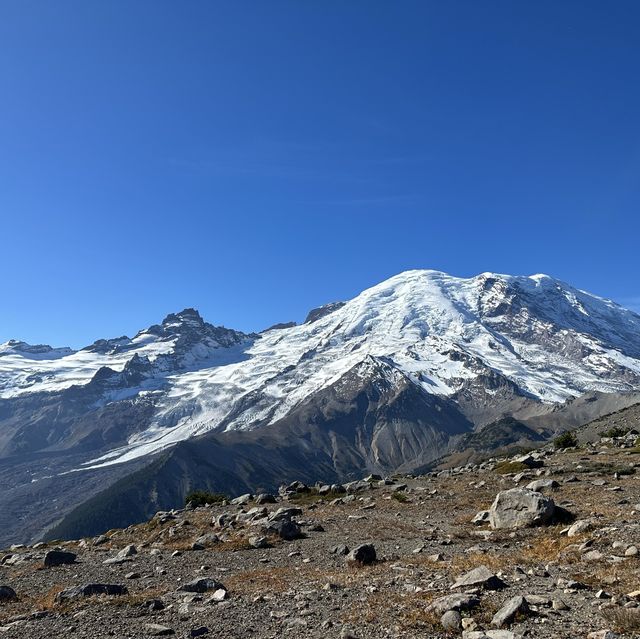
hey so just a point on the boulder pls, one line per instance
(363, 554)
(201, 585)
(127, 551)
(58, 558)
(542, 485)
(285, 529)
(506, 615)
(451, 620)
(453, 602)
(480, 577)
(7, 593)
(520, 508)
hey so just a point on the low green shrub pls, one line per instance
(566, 440)
(203, 497)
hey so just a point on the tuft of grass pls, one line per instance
(401, 497)
(507, 467)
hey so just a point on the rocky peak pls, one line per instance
(318, 313)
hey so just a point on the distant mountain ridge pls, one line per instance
(398, 376)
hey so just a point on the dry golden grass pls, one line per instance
(407, 611)
(619, 578)
(623, 619)
(47, 601)
(132, 599)
(550, 546)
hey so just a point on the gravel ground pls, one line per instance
(424, 540)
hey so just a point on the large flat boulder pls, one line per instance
(520, 508)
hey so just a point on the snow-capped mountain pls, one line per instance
(467, 352)
(550, 341)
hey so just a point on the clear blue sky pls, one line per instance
(255, 159)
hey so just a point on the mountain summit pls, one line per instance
(405, 372)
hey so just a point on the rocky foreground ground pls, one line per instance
(448, 554)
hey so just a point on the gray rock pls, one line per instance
(7, 593)
(480, 577)
(210, 539)
(265, 498)
(340, 549)
(58, 558)
(284, 513)
(285, 529)
(481, 518)
(199, 632)
(363, 554)
(454, 602)
(127, 551)
(509, 610)
(156, 630)
(258, 542)
(242, 500)
(451, 620)
(201, 585)
(89, 590)
(520, 508)
(580, 526)
(542, 485)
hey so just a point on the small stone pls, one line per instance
(631, 551)
(127, 551)
(201, 585)
(363, 554)
(7, 593)
(558, 604)
(156, 630)
(258, 542)
(199, 632)
(454, 602)
(580, 526)
(542, 485)
(451, 620)
(481, 577)
(507, 614)
(340, 549)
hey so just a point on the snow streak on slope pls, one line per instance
(553, 341)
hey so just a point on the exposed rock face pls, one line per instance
(520, 508)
